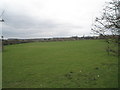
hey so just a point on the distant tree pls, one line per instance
(108, 26)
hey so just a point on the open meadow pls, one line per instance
(67, 64)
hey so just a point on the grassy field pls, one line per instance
(68, 64)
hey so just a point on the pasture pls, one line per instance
(67, 64)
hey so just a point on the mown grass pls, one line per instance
(68, 64)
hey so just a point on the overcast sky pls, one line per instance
(49, 18)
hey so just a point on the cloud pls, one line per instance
(48, 18)
(26, 26)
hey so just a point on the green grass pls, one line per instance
(0, 69)
(68, 64)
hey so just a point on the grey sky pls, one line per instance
(49, 18)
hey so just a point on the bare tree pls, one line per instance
(108, 26)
